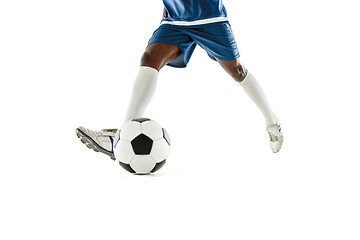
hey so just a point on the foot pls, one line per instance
(99, 141)
(276, 137)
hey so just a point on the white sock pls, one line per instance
(255, 92)
(143, 90)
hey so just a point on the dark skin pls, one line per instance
(157, 55)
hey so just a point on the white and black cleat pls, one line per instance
(99, 141)
(276, 137)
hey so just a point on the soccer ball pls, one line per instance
(141, 146)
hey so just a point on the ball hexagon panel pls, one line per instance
(124, 151)
(130, 130)
(142, 144)
(152, 129)
(160, 150)
(142, 164)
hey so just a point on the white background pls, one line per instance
(72, 62)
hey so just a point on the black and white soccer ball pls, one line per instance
(141, 146)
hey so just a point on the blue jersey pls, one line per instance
(193, 12)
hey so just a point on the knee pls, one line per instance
(150, 59)
(238, 73)
(235, 69)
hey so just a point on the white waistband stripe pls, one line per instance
(197, 22)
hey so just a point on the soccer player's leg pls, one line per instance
(238, 72)
(154, 58)
(168, 45)
(219, 42)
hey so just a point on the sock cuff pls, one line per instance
(247, 79)
(146, 74)
(148, 69)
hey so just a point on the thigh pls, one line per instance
(175, 36)
(158, 54)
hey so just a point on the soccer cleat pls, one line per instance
(276, 137)
(99, 141)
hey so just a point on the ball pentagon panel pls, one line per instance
(142, 144)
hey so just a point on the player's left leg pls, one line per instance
(218, 41)
(238, 72)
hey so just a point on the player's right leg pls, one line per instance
(154, 58)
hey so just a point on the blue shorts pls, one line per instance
(216, 38)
